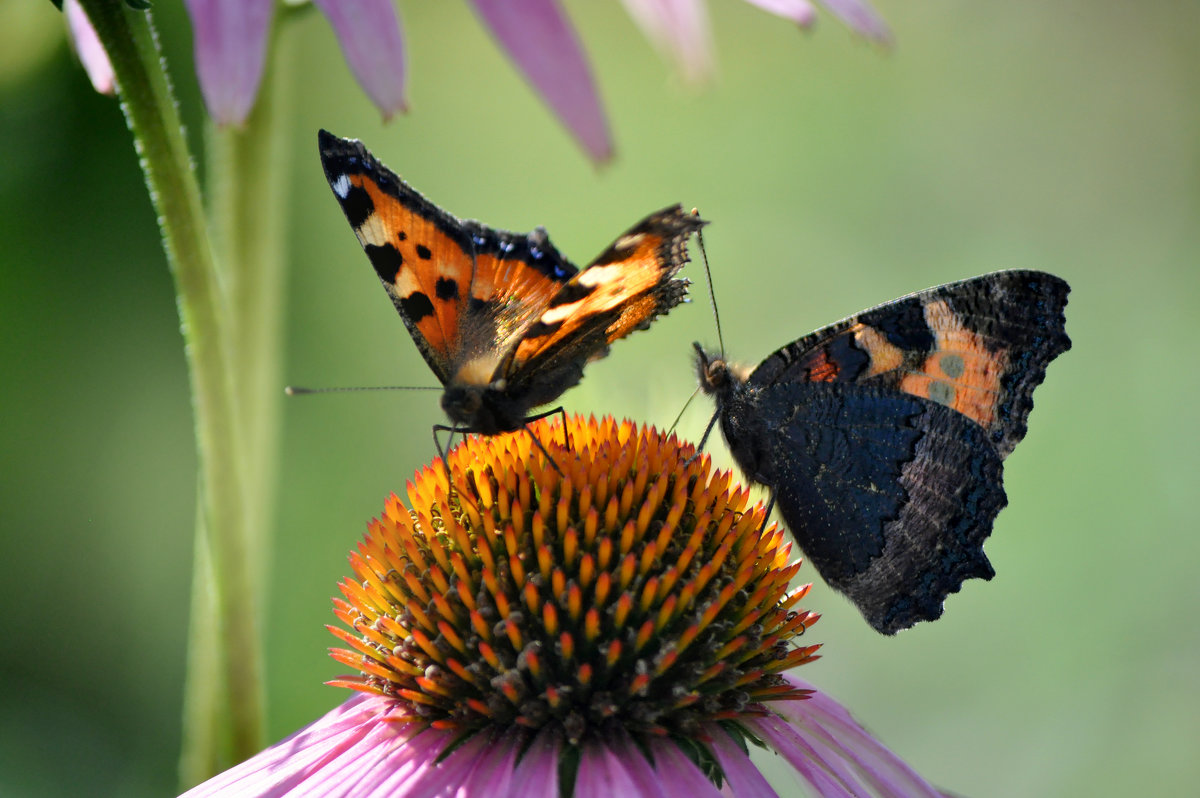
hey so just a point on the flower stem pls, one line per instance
(248, 169)
(225, 646)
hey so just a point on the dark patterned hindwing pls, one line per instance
(883, 436)
(978, 346)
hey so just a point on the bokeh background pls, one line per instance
(1061, 136)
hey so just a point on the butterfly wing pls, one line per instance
(883, 435)
(624, 289)
(890, 496)
(464, 290)
(978, 346)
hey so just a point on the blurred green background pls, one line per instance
(1059, 136)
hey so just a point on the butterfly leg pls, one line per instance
(767, 515)
(538, 443)
(560, 410)
(712, 422)
(438, 445)
(445, 460)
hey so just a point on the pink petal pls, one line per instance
(652, 782)
(537, 772)
(827, 774)
(679, 28)
(833, 752)
(602, 775)
(352, 750)
(679, 772)
(860, 16)
(876, 759)
(799, 11)
(370, 36)
(230, 44)
(87, 45)
(540, 39)
(745, 780)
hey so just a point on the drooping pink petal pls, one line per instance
(860, 16)
(371, 39)
(834, 753)
(680, 30)
(828, 775)
(540, 40)
(485, 764)
(353, 750)
(602, 774)
(745, 780)
(230, 45)
(537, 772)
(681, 773)
(799, 11)
(87, 45)
(652, 782)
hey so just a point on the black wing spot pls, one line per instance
(423, 252)
(446, 288)
(903, 324)
(358, 206)
(386, 259)
(570, 293)
(540, 328)
(401, 236)
(416, 306)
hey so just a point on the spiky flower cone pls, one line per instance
(633, 588)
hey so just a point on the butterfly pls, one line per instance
(505, 322)
(882, 437)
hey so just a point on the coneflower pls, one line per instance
(613, 624)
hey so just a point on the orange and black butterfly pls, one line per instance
(505, 322)
(882, 437)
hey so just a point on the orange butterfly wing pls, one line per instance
(462, 288)
(624, 289)
(503, 319)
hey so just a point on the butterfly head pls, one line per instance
(717, 375)
(481, 408)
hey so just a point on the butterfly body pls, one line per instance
(504, 320)
(882, 437)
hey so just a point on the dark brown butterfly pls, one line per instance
(882, 437)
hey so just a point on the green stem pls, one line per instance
(226, 647)
(247, 193)
(248, 205)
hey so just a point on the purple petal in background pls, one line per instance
(230, 42)
(543, 45)
(860, 16)
(370, 36)
(799, 11)
(680, 29)
(87, 45)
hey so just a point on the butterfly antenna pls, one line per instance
(296, 390)
(712, 294)
(683, 410)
